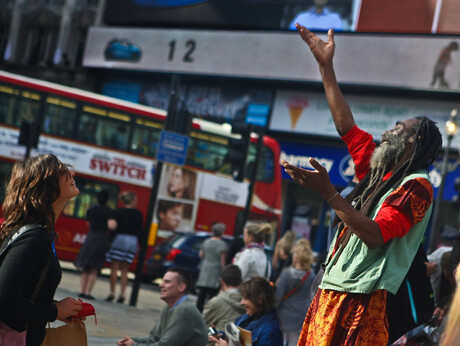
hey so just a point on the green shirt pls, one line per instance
(182, 325)
(360, 269)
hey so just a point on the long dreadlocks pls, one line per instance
(425, 150)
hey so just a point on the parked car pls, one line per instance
(123, 50)
(182, 250)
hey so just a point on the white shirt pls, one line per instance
(253, 261)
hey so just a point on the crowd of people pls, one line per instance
(375, 286)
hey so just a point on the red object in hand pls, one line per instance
(86, 310)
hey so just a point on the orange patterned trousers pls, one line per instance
(340, 318)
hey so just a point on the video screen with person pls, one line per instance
(372, 16)
(319, 15)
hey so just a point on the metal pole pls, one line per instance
(175, 81)
(252, 183)
(437, 207)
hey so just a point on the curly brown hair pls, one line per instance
(32, 189)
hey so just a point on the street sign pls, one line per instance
(172, 148)
(257, 114)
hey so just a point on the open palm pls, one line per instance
(322, 51)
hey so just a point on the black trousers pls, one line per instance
(205, 292)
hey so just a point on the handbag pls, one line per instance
(72, 334)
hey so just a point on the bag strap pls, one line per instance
(42, 278)
(16, 234)
(296, 287)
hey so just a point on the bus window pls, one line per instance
(145, 137)
(28, 108)
(78, 206)
(5, 170)
(207, 151)
(59, 118)
(8, 100)
(105, 128)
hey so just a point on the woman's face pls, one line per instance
(176, 183)
(171, 219)
(67, 186)
(250, 307)
(247, 239)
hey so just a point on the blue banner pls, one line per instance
(337, 161)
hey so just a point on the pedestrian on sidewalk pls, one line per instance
(212, 254)
(128, 230)
(252, 259)
(91, 257)
(30, 272)
(381, 222)
(293, 293)
(181, 324)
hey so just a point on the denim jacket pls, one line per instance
(265, 330)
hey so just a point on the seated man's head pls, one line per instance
(176, 283)
(258, 296)
(230, 276)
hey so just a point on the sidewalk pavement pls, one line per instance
(113, 320)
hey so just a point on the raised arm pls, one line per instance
(324, 54)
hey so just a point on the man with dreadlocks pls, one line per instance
(381, 222)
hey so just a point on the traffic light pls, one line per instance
(238, 150)
(28, 134)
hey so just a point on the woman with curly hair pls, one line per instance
(38, 189)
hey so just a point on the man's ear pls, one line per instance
(182, 287)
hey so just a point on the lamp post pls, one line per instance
(451, 131)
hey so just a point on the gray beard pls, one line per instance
(384, 158)
(387, 155)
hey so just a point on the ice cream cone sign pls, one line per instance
(296, 106)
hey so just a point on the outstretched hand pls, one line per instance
(317, 179)
(322, 51)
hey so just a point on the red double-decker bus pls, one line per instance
(112, 144)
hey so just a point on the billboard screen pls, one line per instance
(372, 16)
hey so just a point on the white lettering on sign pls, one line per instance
(302, 161)
(224, 194)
